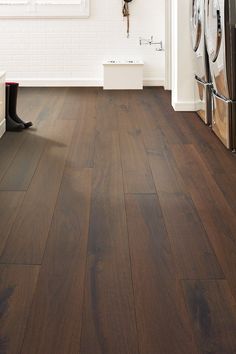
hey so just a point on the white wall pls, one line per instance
(2, 104)
(71, 51)
(183, 86)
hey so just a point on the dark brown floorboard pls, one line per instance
(109, 315)
(158, 298)
(26, 242)
(215, 212)
(136, 169)
(194, 255)
(17, 285)
(59, 293)
(10, 203)
(117, 228)
(81, 154)
(213, 313)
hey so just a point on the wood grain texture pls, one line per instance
(28, 146)
(81, 154)
(58, 301)
(23, 166)
(17, 285)
(128, 212)
(193, 253)
(27, 240)
(159, 304)
(11, 142)
(109, 316)
(136, 169)
(9, 145)
(213, 313)
(216, 215)
(157, 103)
(75, 103)
(10, 203)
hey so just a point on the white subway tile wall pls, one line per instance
(66, 50)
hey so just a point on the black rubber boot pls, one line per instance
(11, 125)
(13, 104)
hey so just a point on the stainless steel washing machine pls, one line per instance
(202, 72)
(221, 46)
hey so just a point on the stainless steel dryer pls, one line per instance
(221, 46)
(202, 71)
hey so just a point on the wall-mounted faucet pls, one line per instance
(150, 41)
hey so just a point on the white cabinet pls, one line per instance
(123, 75)
(2, 104)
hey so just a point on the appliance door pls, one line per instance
(198, 39)
(221, 118)
(196, 24)
(203, 100)
(215, 40)
(231, 47)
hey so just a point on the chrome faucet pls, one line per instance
(150, 41)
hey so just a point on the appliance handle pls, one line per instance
(221, 98)
(202, 82)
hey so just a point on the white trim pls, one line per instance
(35, 82)
(153, 82)
(168, 29)
(58, 82)
(184, 106)
(2, 127)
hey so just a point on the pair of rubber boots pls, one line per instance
(13, 121)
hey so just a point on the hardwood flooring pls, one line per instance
(117, 228)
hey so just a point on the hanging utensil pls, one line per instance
(127, 14)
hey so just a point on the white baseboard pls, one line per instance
(2, 127)
(35, 82)
(188, 106)
(153, 82)
(58, 82)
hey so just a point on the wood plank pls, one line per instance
(193, 253)
(11, 142)
(216, 215)
(81, 154)
(109, 316)
(55, 319)
(136, 169)
(213, 313)
(225, 181)
(22, 168)
(9, 145)
(203, 140)
(106, 112)
(9, 207)
(122, 307)
(75, 102)
(27, 240)
(148, 123)
(159, 303)
(212, 151)
(154, 100)
(17, 284)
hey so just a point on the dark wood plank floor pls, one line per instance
(117, 228)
